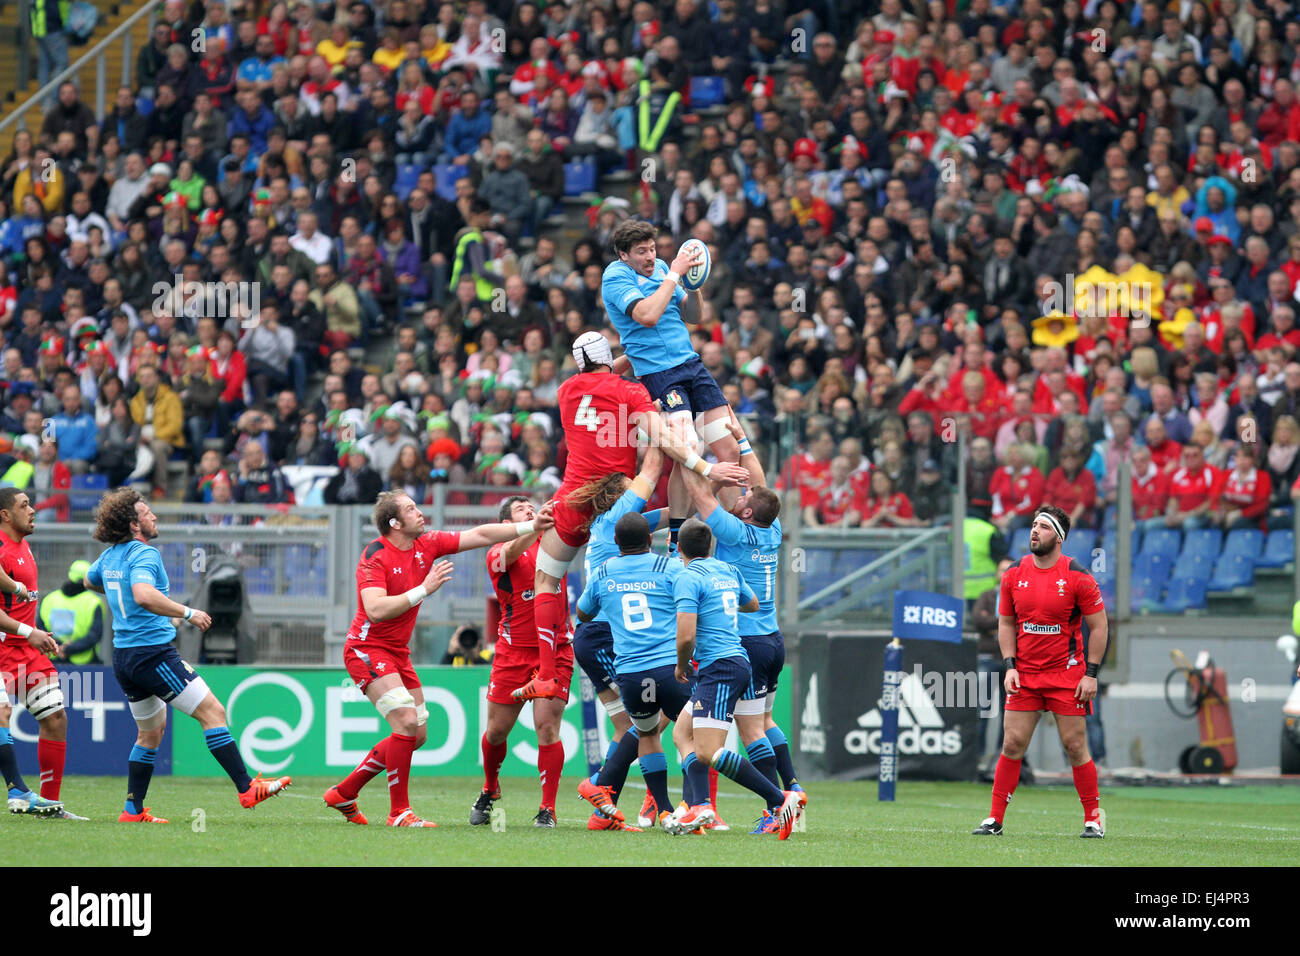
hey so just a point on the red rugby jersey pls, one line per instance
(17, 561)
(1049, 606)
(514, 588)
(384, 566)
(1191, 489)
(596, 409)
(835, 502)
(1249, 492)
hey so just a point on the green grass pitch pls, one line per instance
(928, 825)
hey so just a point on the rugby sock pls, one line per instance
(50, 755)
(548, 613)
(9, 762)
(367, 770)
(494, 756)
(654, 767)
(781, 752)
(222, 746)
(1085, 782)
(613, 773)
(713, 788)
(698, 774)
(737, 768)
(764, 761)
(400, 748)
(550, 765)
(687, 790)
(139, 770)
(1005, 777)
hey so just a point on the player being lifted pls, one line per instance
(634, 593)
(27, 673)
(1043, 599)
(593, 648)
(709, 594)
(748, 535)
(145, 661)
(397, 571)
(649, 309)
(512, 567)
(600, 413)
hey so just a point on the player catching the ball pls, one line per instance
(1043, 599)
(397, 571)
(601, 414)
(649, 308)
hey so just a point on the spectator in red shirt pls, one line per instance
(1193, 489)
(926, 395)
(809, 472)
(839, 503)
(884, 507)
(1244, 495)
(1164, 453)
(1150, 486)
(1017, 490)
(1073, 489)
(976, 404)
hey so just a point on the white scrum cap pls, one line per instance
(591, 349)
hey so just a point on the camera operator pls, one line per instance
(465, 648)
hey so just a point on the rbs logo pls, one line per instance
(938, 617)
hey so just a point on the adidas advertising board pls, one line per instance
(838, 703)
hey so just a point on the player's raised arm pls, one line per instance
(677, 450)
(486, 535)
(757, 478)
(650, 310)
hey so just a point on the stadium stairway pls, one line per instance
(111, 15)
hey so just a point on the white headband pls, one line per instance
(1056, 525)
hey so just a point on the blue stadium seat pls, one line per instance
(1079, 544)
(579, 177)
(1144, 592)
(1183, 594)
(1163, 540)
(144, 105)
(1020, 543)
(260, 580)
(1110, 544)
(1107, 589)
(1247, 541)
(707, 91)
(86, 490)
(407, 177)
(445, 176)
(1279, 551)
(1196, 566)
(1153, 565)
(1232, 571)
(1207, 540)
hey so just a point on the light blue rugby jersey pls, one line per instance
(755, 552)
(114, 571)
(666, 345)
(600, 544)
(713, 591)
(635, 593)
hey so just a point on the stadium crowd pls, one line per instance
(895, 196)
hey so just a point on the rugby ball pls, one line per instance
(695, 278)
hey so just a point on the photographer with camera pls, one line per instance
(465, 648)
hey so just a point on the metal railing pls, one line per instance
(121, 33)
